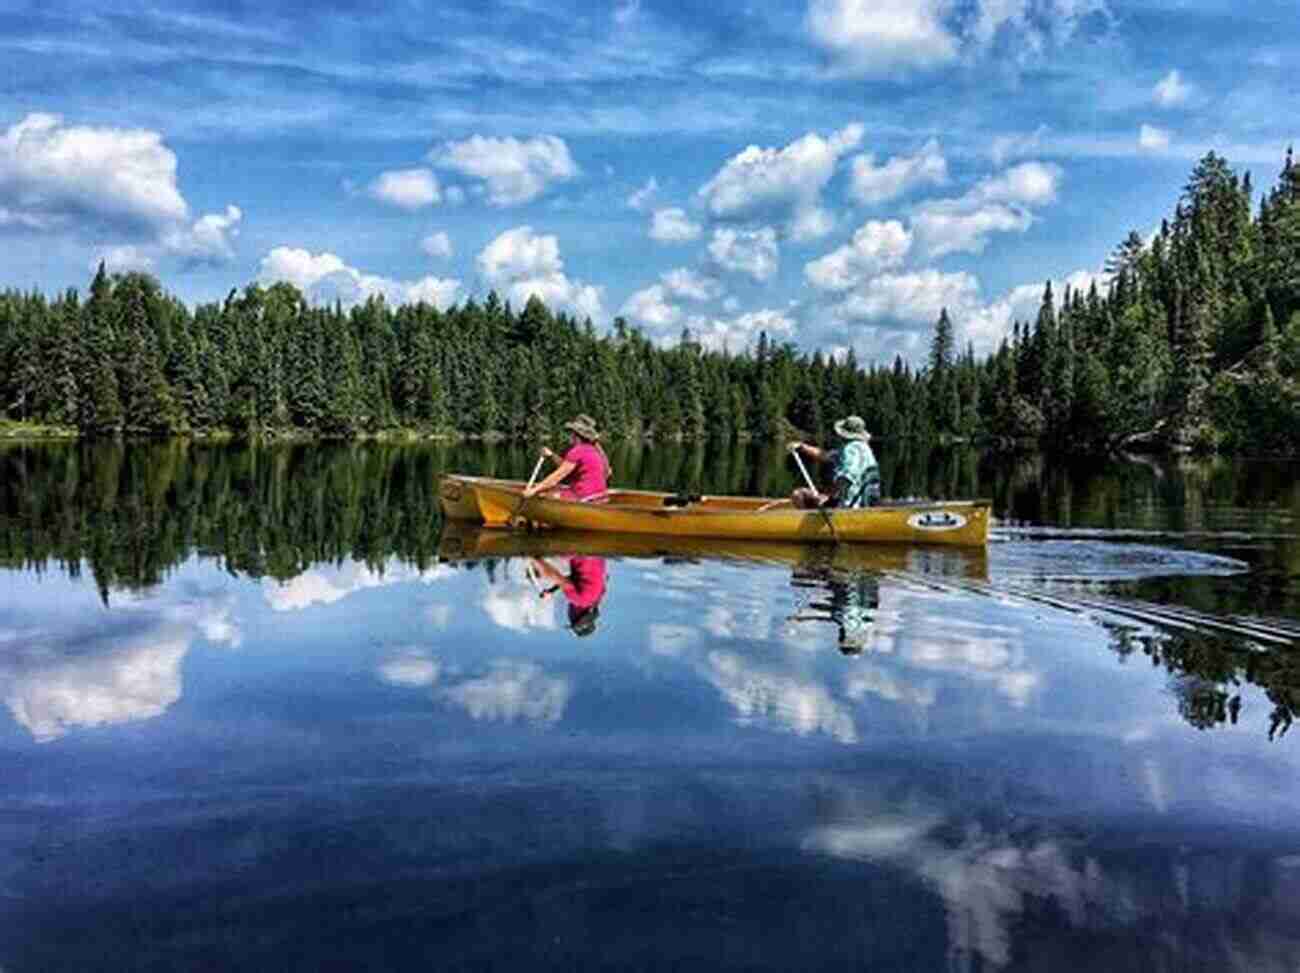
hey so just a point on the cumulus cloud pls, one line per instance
(409, 189)
(640, 199)
(524, 263)
(916, 297)
(123, 258)
(513, 171)
(672, 225)
(876, 38)
(998, 204)
(752, 252)
(325, 277)
(797, 705)
(410, 668)
(53, 175)
(876, 246)
(437, 245)
(650, 307)
(59, 177)
(326, 585)
(1152, 139)
(1171, 90)
(684, 282)
(781, 183)
(209, 240)
(871, 183)
(513, 691)
(740, 331)
(890, 37)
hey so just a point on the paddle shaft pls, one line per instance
(523, 499)
(811, 486)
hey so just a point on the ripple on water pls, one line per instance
(1095, 560)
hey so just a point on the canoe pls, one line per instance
(500, 503)
(465, 542)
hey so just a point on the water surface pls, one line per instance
(262, 711)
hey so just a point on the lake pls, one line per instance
(262, 711)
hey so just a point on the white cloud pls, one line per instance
(524, 263)
(324, 277)
(876, 246)
(913, 297)
(752, 252)
(54, 175)
(998, 204)
(952, 226)
(811, 223)
(409, 189)
(437, 245)
(672, 225)
(1171, 90)
(517, 607)
(650, 307)
(513, 691)
(1030, 183)
(871, 183)
(123, 258)
(640, 200)
(410, 668)
(786, 182)
(1152, 139)
(875, 38)
(513, 171)
(208, 240)
(799, 706)
(684, 282)
(740, 331)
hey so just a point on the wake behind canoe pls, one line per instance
(500, 503)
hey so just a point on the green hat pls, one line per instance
(582, 622)
(853, 428)
(585, 426)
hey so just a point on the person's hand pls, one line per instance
(794, 446)
(530, 491)
(548, 452)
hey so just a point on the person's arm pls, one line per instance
(812, 452)
(549, 571)
(556, 478)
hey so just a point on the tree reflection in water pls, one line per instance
(1207, 672)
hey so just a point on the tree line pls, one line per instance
(1195, 343)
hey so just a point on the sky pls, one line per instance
(832, 172)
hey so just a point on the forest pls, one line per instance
(1194, 345)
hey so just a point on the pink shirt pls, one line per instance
(590, 473)
(586, 584)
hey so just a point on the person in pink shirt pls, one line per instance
(583, 473)
(583, 588)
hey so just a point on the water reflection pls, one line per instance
(583, 587)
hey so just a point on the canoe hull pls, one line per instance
(499, 503)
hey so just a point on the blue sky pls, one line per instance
(831, 171)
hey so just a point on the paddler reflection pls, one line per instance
(583, 588)
(847, 598)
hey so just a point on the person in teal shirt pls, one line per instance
(855, 474)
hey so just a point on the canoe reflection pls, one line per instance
(468, 543)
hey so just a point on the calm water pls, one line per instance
(261, 712)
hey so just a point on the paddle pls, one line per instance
(522, 498)
(794, 451)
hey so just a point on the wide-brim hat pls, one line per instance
(585, 426)
(583, 622)
(852, 427)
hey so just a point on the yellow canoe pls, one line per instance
(472, 542)
(500, 503)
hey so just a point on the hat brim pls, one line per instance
(586, 432)
(843, 433)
